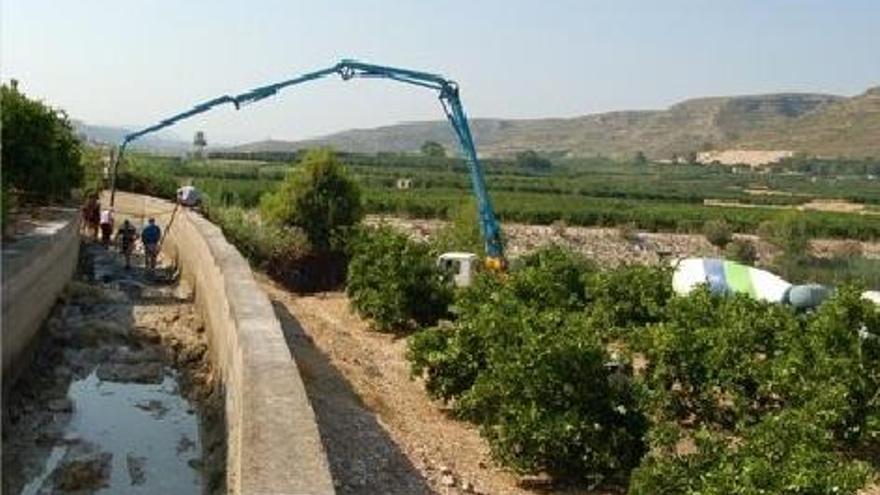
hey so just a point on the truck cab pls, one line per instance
(460, 266)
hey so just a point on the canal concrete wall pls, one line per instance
(36, 267)
(274, 445)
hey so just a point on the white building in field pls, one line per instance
(752, 158)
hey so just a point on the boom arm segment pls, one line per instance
(348, 69)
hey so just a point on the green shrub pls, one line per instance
(450, 357)
(40, 152)
(490, 309)
(630, 295)
(261, 243)
(317, 197)
(629, 232)
(433, 149)
(530, 159)
(553, 275)
(93, 170)
(524, 362)
(395, 282)
(742, 250)
(139, 176)
(548, 403)
(235, 192)
(710, 361)
(537, 384)
(718, 233)
(282, 251)
(787, 231)
(783, 454)
(463, 231)
(792, 401)
(777, 402)
(833, 367)
(559, 228)
(151, 185)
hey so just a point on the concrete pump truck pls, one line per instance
(459, 264)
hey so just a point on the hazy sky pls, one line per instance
(134, 62)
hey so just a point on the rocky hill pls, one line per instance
(845, 127)
(819, 124)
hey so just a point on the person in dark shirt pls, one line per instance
(150, 236)
(91, 212)
(125, 239)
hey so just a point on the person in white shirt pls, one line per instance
(106, 226)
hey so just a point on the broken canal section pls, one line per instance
(120, 396)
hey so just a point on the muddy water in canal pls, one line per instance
(120, 396)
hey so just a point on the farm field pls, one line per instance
(587, 192)
(665, 206)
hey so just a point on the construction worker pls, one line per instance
(91, 212)
(150, 237)
(106, 220)
(125, 240)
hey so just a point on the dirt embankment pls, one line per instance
(121, 393)
(381, 431)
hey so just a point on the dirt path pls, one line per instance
(120, 395)
(832, 205)
(381, 432)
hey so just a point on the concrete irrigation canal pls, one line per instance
(119, 396)
(119, 381)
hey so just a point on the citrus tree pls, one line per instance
(318, 197)
(40, 152)
(395, 281)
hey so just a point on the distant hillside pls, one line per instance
(815, 123)
(113, 135)
(847, 127)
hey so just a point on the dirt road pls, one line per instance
(381, 431)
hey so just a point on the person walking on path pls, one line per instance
(106, 220)
(150, 236)
(95, 218)
(91, 213)
(125, 239)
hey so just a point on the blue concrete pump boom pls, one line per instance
(348, 69)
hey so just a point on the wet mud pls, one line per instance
(120, 396)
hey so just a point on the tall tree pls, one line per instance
(433, 148)
(40, 152)
(318, 197)
(531, 159)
